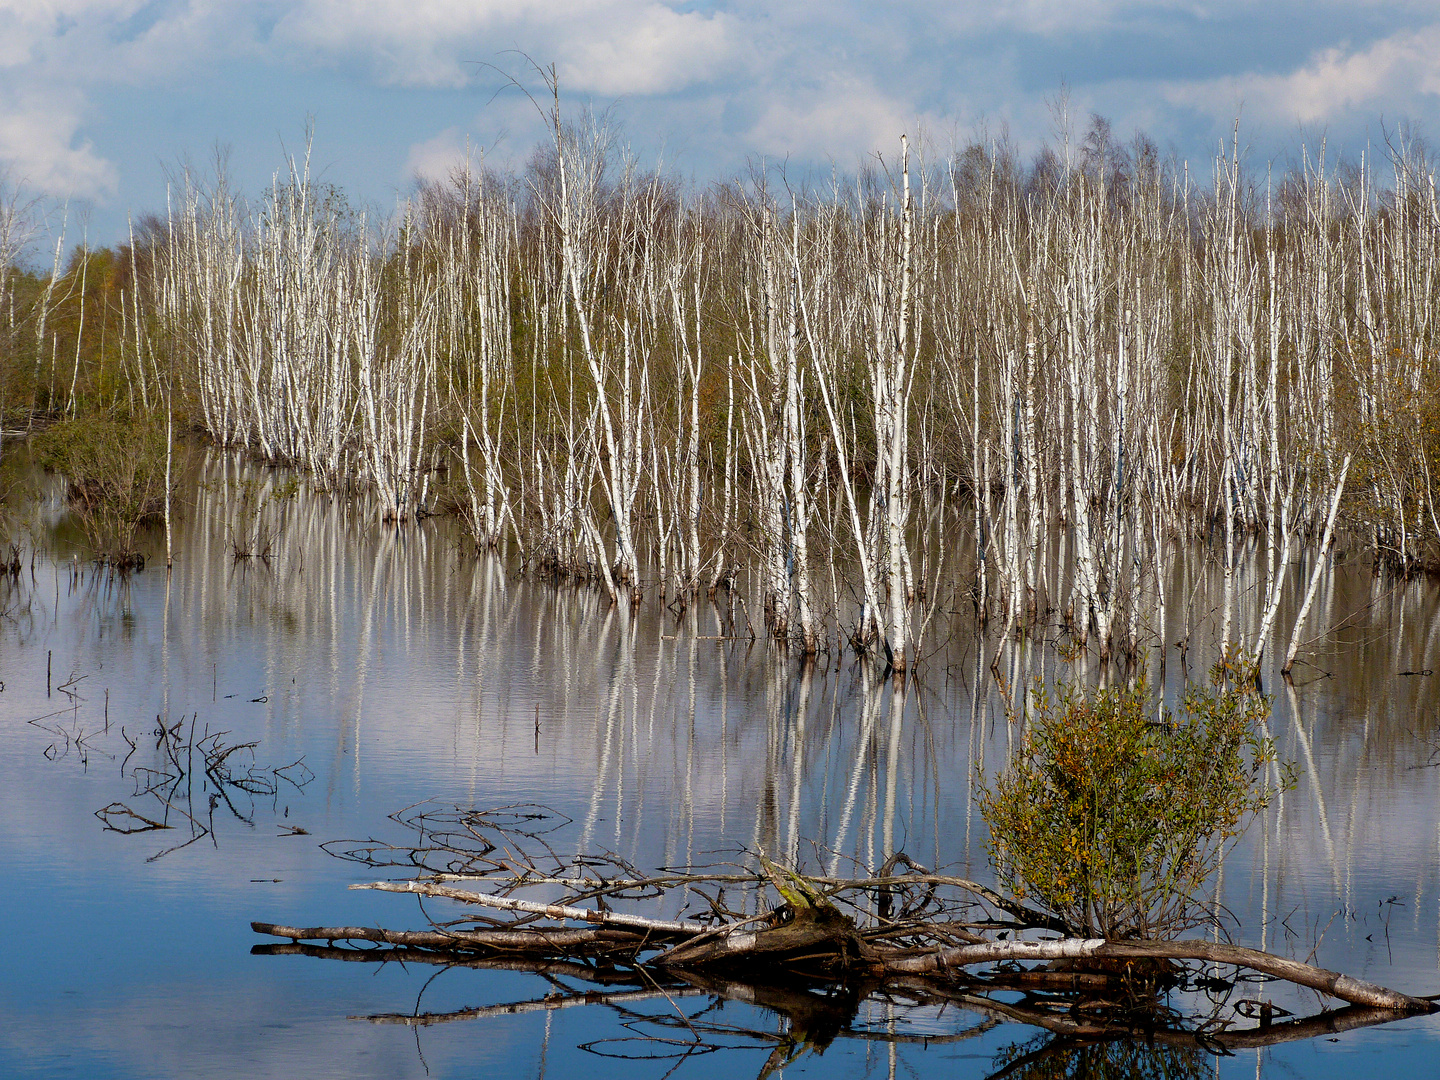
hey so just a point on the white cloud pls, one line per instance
(28, 30)
(843, 117)
(1052, 16)
(1391, 76)
(435, 158)
(40, 141)
(805, 79)
(609, 47)
(91, 40)
(652, 50)
(56, 54)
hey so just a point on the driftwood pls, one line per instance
(757, 931)
(828, 936)
(1354, 991)
(550, 911)
(558, 941)
(816, 1019)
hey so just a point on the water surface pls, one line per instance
(395, 666)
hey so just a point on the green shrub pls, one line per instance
(115, 475)
(1112, 819)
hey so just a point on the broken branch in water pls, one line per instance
(541, 941)
(754, 930)
(836, 940)
(550, 911)
(818, 1019)
(1354, 991)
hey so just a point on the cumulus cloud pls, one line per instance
(85, 41)
(435, 158)
(720, 80)
(56, 54)
(844, 116)
(654, 50)
(1069, 16)
(1394, 75)
(40, 141)
(611, 47)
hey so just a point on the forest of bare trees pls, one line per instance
(1034, 383)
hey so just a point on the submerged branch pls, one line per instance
(1344, 987)
(824, 934)
(808, 948)
(823, 1017)
(551, 911)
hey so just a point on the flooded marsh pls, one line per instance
(300, 686)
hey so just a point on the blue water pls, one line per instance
(399, 667)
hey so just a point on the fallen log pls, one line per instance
(814, 954)
(545, 941)
(809, 1009)
(808, 930)
(528, 907)
(1355, 991)
(806, 925)
(1066, 1025)
(522, 877)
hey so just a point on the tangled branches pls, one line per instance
(810, 948)
(193, 775)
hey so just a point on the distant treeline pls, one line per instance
(1075, 365)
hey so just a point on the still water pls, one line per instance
(375, 668)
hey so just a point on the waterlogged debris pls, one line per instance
(70, 738)
(224, 778)
(814, 949)
(194, 772)
(120, 818)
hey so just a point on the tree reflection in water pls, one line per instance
(1048, 1057)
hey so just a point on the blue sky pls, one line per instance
(99, 97)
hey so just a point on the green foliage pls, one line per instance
(63, 342)
(1113, 819)
(115, 472)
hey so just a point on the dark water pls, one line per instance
(395, 668)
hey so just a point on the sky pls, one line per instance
(102, 100)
